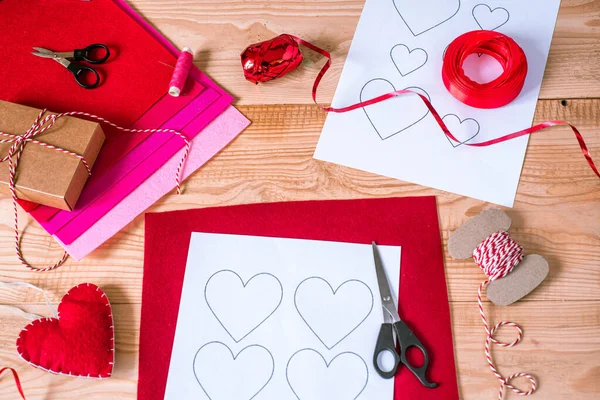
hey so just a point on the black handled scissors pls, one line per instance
(86, 77)
(392, 323)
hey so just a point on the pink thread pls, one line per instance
(41, 125)
(182, 69)
(497, 255)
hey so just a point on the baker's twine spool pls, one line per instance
(497, 255)
(181, 72)
(41, 125)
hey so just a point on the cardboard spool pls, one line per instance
(523, 279)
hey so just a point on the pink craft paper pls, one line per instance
(157, 115)
(139, 164)
(214, 137)
(83, 221)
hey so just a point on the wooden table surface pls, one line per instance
(556, 214)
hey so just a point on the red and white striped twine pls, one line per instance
(497, 255)
(41, 125)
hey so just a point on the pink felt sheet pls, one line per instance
(134, 168)
(110, 166)
(214, 137)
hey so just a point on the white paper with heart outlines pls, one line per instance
(274, 318)
(400, 44)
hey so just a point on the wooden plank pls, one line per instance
(219, 33)
(560, 347)
(557, 202)
(557, 212)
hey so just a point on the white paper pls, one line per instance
(400, 44)
(272, 318)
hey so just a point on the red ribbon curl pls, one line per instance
(262, 62)
(16, 378)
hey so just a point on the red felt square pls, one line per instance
(410, 222)
(80, 342)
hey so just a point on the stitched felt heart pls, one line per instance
(80, 342)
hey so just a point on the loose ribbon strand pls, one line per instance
(16, 378)
(41, 125)
(256, 63)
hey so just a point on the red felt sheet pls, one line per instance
(408, 222)
(131, 78)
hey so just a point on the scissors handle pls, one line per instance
(386, 344)
(85, 54)
(407, 339)
(81, 74)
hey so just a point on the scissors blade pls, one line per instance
(385, 291)
(41, 52)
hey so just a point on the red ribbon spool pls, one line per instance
(497, 92)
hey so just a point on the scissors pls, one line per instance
(81, 73)
(392, 323)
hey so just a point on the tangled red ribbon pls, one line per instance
(272, 59)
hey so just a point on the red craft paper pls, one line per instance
(410, 222)
(115, 150)
(125, 93)
(129, 78)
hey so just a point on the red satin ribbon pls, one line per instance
(17, 381)
(274, 58)
(499, 91)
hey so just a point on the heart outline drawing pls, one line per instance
(234, 358)
(416, 88)
(461, 121)
(334, 292)
(491, 11)
(244, 285)
(426, 29)
(327, 365)
(416, 49)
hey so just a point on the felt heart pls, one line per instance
(80, 342)
(406, 60)
(242, 307)
(312, 378)
(488, 18)
(463, 129)
(247, 373)
(418, 22)
(331, 314)
(385, 117)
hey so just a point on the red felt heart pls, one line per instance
(80, 342)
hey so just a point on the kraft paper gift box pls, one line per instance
(44, 175)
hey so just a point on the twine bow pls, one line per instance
(39, 126)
